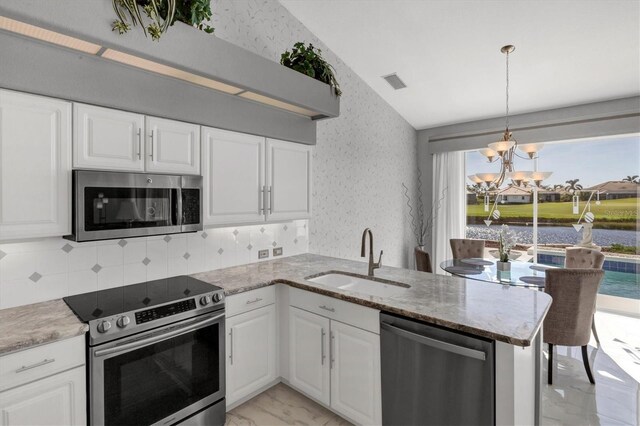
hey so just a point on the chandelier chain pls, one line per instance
(507, 90)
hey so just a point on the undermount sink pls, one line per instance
(359, 283)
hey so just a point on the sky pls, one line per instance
(591, 161)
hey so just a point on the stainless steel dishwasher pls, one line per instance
(435, 376)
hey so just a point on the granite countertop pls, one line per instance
(504, 313)
(31, 325)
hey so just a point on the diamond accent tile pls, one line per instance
(186, 256)
(186, 292)
(96, 268)
(285, 227)
(249, 247)
(35, 277)
(236, 232)
(262, 229)
(146, 261)
(167, 238)
(274, 244)
(65, 248)
(97, 312)
(146, 301)
(2, 254)
(122, 243)
(295, 241)
(220, 251)
(204, 235)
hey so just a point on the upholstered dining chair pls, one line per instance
(568, 322)
(580, 257)
(466, 249)
(423, 260)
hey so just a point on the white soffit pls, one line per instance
(448, 52)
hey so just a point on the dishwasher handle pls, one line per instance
(434, 343)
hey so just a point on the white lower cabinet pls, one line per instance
(44, 385)
(251, 352)
(336, 364)
(309, 369)
(55, 400)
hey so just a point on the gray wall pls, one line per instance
(361, 158)
(608, 118)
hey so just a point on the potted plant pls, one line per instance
(308, 60)
(160, 15)
(506, 241)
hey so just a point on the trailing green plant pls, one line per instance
(156, 16)
(309, 61)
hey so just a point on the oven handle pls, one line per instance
(163, 336)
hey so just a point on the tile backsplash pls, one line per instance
(51, 268)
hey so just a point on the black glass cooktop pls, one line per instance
(105, 303)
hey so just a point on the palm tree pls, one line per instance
(632, 179)
(572, 185)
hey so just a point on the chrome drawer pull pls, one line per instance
(257, 299)
(326, 308)
(322, 356)
(38, 364)
(231, 346)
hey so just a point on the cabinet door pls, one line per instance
(288, 180)
(35, 166)
(251, 352)
(55, 400)
(355, 374)
(108, 139)
(174, 147)
(309, 354)
(233, 177)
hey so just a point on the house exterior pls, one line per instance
(613, 190)
(515, 195)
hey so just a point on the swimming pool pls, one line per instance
(621, 278)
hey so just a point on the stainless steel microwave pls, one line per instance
(108, 205)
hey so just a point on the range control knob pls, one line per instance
(104, 326)
(123, 321)
(217, 297)
(204, 300)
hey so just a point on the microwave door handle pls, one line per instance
(158, 337)
(179, 213)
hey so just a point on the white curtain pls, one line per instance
(449, 204)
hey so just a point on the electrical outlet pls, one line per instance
(277, 251)
(263, 254)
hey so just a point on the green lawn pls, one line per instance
(624, 210)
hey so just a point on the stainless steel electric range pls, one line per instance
(155, 353)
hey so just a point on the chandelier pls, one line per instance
(505, 151)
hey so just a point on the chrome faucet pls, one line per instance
(372, 264)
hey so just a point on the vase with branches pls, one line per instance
(421, 225)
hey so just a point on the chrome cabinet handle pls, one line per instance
(332, 349)
(322, 355)
(139, 144)
(261, 200)
(37, 364)
(256, 300)
(152, 138)
(270, 196)
(327, 308)
(231, 346)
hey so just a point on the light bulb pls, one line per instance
(502, 146)
(531, 149)
(489, 153)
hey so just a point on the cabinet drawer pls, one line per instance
(42, 361)
(339, 310)
(243, 302)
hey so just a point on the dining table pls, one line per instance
(520, 274)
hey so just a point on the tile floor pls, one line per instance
(571, 400)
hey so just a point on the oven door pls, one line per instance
(161, 376)
(119, 205)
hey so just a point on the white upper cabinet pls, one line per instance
(107, 139)
(233, 176)
(35, 166)
(172, 147)
(288, 180)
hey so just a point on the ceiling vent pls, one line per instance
(394, 81)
